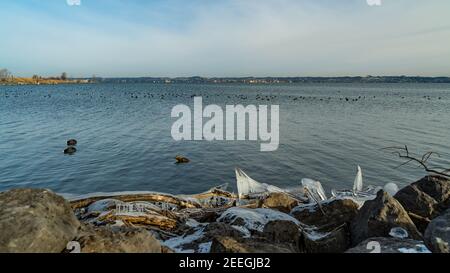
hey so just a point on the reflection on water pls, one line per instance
(125, 144)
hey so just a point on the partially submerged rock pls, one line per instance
(33, 220)
(389, 245)
(377, 217)
(437, 234)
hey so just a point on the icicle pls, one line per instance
(358, 184)
(315, 188)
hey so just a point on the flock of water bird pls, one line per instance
(92, 94)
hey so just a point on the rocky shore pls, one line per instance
(415, 220)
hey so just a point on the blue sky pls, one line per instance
(225, 37)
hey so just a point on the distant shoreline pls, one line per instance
(42, 81)
(226, 80)
(272, 80)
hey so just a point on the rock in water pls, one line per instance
(377, 217)
(35, 221)
(117, 240)
(389, 245)
(70, 150)
(181, 159)
(280, 201)
(72, 142)
(437, 235)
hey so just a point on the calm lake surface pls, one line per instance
(125, 144)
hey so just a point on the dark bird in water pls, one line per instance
(71, 142)
(181, 159)
(70, 150)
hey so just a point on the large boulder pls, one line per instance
(416, 201)
(426, 197)
(330, 214)
(437, 234)
(437, 187)
(224, 244)
(117, 240)
(285, 232)
(35, 221)
(334, 241)
(280, 201)
(389, 245)
(377, 217)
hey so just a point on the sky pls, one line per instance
(225, 38)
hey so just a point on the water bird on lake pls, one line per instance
(181, 159)
(70, 150)
(72, 142)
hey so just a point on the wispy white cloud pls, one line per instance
(230, 38)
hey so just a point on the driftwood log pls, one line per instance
(148, 197)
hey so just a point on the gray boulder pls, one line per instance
(35, 221)
(437, 234)
(377, 217)
(389, 245)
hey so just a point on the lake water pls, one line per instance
(125, 144)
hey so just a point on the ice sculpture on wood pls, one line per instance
(358, 193)
(248, 187)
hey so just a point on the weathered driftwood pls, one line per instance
(162, 222)
(215, 193)
(148, 197)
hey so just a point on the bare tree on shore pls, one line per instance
(422, 161)
(4, 74)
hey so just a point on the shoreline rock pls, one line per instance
(377, 217)
(33, 220)
(276, 222)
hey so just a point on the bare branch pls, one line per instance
(405, 154)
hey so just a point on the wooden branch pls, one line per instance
(150, 197)
(403, 152)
